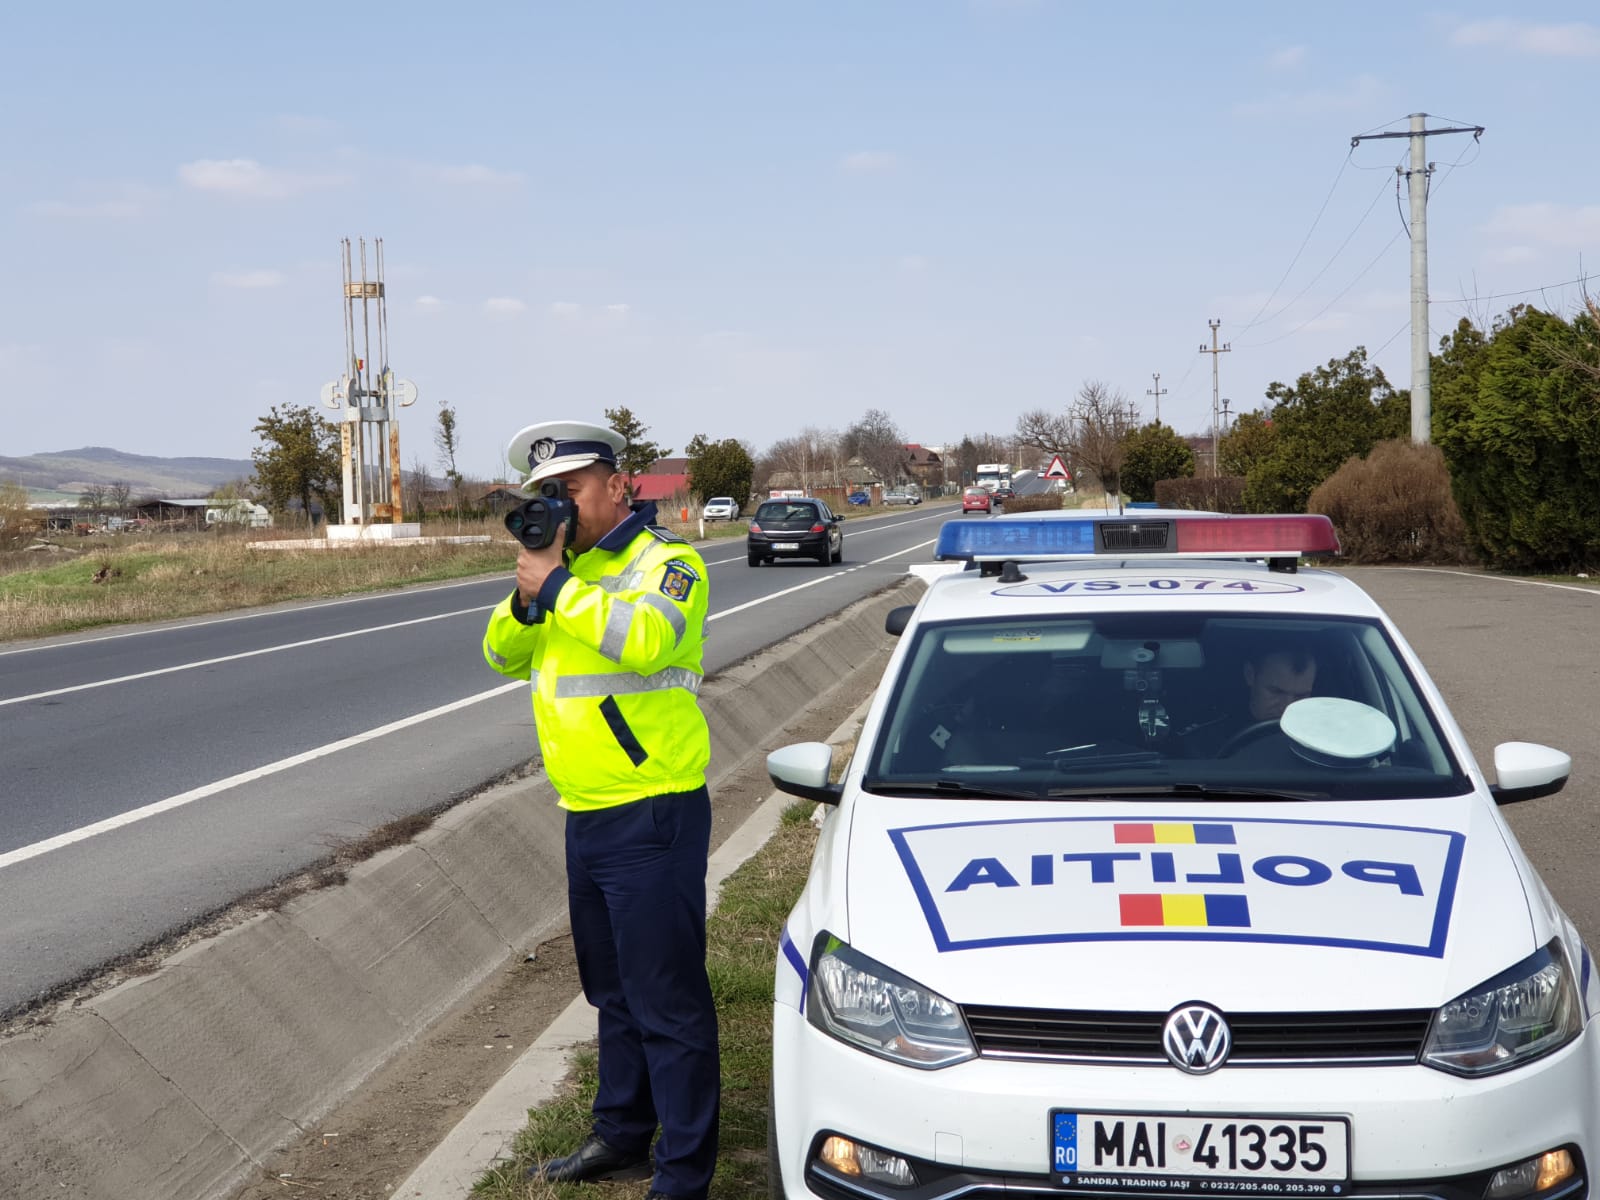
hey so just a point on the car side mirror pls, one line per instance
(894, 624)
(1526, 771)
(802, 770)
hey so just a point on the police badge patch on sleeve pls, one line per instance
(679, 580)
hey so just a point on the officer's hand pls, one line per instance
(533, 567)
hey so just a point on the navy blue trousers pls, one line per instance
(636, 891)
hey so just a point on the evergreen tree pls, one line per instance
(1152, 453)
(723, 468)
(639, 455)
(1516, 417)
(299, 456)
(1330, 414)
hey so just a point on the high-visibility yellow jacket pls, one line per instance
(613, 645)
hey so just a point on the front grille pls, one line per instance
(1259, 1039)
(1141, 535)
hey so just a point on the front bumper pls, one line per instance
(981, 1128)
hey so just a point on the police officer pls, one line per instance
(610, 631)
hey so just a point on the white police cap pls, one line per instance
(556, 447)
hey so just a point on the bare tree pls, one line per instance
(876, 440)
(1047, 432)
(93, 496)
(1101, 418)
(809, 456)
(117, 494)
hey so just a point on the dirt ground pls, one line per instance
(366, 1147)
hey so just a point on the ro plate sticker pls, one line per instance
(1133, 586)
(1321, 883)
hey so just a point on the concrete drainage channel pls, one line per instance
(174, 1086)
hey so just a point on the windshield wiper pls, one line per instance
(948, 787)
(1187, 791)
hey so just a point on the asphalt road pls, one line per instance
(154, 774)
(273, 735)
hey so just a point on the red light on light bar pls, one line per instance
(1311, 533)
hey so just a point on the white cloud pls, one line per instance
(503, 306)
(565, 308)
(869, 160)
(1575, 40)
(1566, 225)
(1365, 91)
(1287, 59)
(247, 177)
(428, 303)
(265, 278)
(473, 175)
(617, 310)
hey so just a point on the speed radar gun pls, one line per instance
(536, 522)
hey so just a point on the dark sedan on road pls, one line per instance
(801, 527)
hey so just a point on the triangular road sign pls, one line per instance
(1057, 469)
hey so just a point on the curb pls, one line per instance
(174, 1086)
(485, 1133)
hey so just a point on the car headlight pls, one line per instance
(864, 1003)
(1521, 1014)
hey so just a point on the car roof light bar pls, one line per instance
(1202, 535)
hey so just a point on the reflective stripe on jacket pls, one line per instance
(613, 647)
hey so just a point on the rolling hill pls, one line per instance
(68, 472)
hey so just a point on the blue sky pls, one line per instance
(745, 219)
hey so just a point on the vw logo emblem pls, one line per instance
(1196, 1039)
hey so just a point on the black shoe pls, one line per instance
(593, 1160)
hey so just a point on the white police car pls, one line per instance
(1158, 873)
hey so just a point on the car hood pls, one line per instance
(1140, 906)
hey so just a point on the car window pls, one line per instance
(1158, 700)
(786, 510)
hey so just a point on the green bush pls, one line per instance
(1223, 493)
(1394, 505)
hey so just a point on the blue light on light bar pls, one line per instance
(1014, 537)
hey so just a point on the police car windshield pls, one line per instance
(1198, 705)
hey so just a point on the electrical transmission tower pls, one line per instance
(1417, 190)
(1158, 391)
(1214, 350)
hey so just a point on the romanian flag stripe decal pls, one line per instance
(1203, 912)
(1173, 833)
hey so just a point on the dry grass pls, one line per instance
(85, 582)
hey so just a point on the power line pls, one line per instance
(1582, 279)
(1249, 325)
(1340, 296)
(1378, 195)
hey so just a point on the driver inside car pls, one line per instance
(1274, 678)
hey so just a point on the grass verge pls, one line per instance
(741, 950)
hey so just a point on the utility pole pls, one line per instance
(1417, 190)
(1214, 350)
(1158, 391)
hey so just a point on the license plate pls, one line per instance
(786, 545)
(1201, 1153)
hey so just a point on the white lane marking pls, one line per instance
(251, 616)
(211, 662)
(23, 853)
(71, 837)
(814, 582)
(1565, 587)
